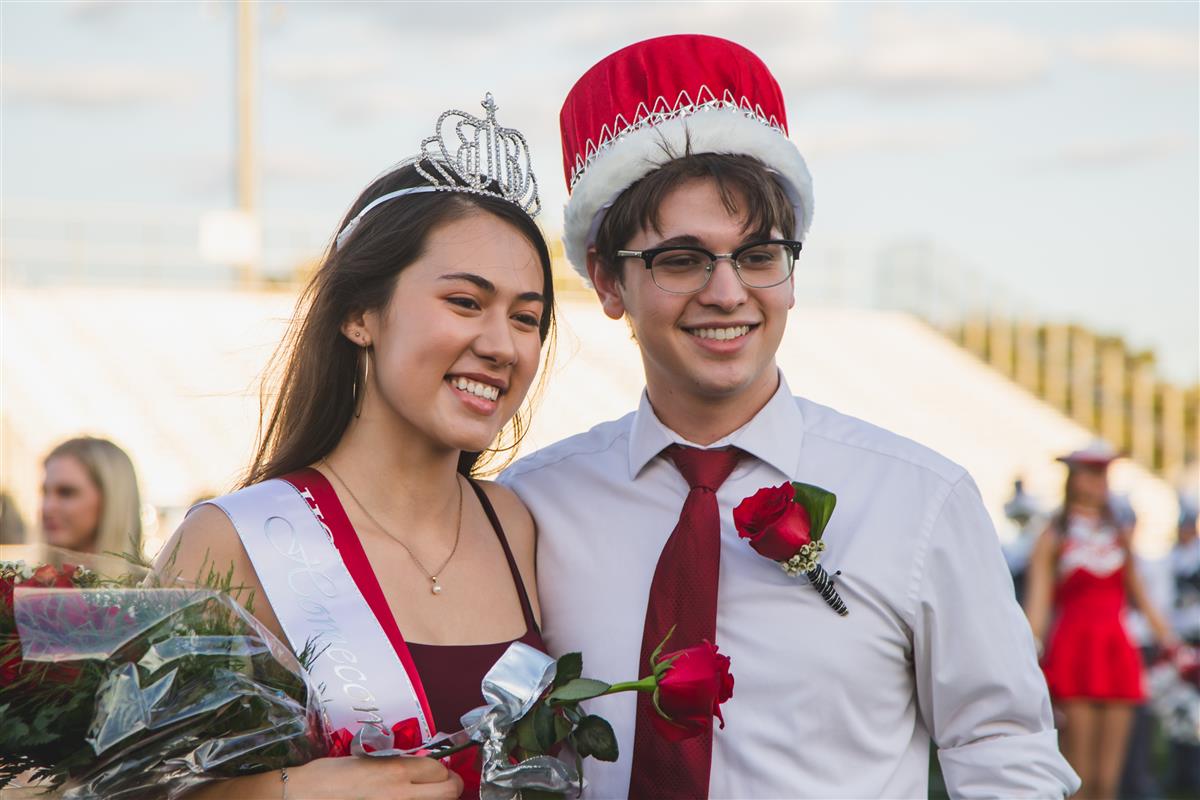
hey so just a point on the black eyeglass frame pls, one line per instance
(648, 256)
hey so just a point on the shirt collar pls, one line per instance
(774, 435)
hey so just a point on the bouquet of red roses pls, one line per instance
(113, 691)
(109, 691)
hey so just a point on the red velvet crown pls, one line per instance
(711, 91)
(658, 76)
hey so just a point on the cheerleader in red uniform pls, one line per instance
(1080, 576)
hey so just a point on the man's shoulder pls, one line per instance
(858, 439)
(582, 447)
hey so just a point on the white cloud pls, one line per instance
(95, 11)
(510, 29)
(1141, 48)
(852, 139)
(96, 86)
(1101, 153)
(908, 51)
(946, 50)
(326, 67)
(347, 64)
(538, 44)
(768, 29)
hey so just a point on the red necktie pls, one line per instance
(683, 594)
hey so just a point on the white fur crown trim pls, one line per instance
(637, 153)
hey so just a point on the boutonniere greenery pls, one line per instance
(785, 523)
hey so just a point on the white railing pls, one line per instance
(51, 244)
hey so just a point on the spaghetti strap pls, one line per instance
(526, 608)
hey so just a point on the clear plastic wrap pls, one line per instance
(159, 690)
(115, 692)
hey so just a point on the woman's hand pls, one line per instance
(1168, 642)
(350, 778)
(396, 778)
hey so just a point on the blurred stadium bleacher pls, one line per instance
(172, 375)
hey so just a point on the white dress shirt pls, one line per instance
(823, 706)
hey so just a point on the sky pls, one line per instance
(1049, 151)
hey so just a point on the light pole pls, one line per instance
(246, 166)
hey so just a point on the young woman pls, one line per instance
(420, 336)
(90, 498)
(1081, 573)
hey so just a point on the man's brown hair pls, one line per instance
(740, 179)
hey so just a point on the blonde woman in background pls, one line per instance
(90, 498)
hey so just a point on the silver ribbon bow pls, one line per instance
(510, 689)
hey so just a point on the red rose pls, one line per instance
(44, 575)
(691, 691)
(10, 662)
(6, 598)
(773, 522)
(50, 577)
(66, 576)
(406, 734)
(339, 743)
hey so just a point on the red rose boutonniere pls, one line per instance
(785, 524)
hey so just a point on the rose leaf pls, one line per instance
(562, 727)
(570, 667)
(819, 503)
(543, 726)
(594, 737)
(576, 690)
(527, 738)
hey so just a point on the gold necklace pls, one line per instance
(435, 586)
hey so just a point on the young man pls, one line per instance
(687, 206)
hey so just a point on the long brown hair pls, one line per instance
(1061, 519)
(309, 391)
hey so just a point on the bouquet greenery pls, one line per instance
(112, 690)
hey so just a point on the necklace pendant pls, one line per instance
(437, 587)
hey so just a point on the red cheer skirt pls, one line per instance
(1089, 655)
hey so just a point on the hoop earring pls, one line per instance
(358, 396)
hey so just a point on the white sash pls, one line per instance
(311, 592)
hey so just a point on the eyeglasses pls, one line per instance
(684, 270)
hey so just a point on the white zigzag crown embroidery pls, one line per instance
(660, 112)
(483, 153)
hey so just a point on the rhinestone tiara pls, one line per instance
(481, 154)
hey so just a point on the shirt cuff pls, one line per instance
(1028, 765)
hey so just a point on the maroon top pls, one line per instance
(450, 674)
